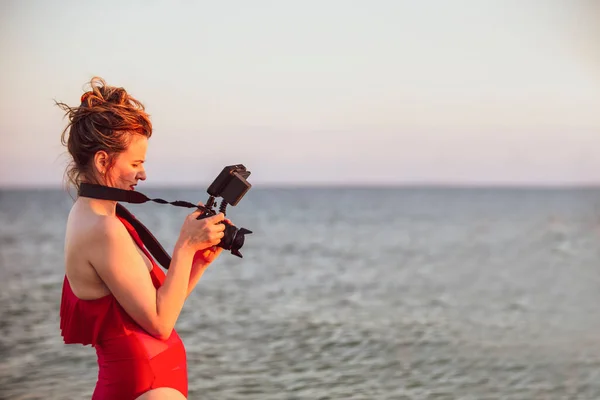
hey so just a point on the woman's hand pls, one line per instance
(201, 234)
(207, 256)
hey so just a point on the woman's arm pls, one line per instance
(121, 267)
(195, 275)
(202, 259)
(123, 270)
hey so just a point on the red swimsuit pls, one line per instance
(130, 360)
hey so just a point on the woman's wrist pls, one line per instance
(199, 261)
(184, 249)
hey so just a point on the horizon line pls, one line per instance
(343, 185)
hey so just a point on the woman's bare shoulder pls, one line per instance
(87, 238)
(86, 228)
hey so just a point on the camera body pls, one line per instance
(231, 185)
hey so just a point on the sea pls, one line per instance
(342, 293)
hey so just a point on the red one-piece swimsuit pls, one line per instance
(130, 360)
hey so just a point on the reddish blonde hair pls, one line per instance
(106, 120)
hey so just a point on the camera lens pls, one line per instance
(233, 239)
(238, 241)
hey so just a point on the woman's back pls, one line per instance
(85, 226)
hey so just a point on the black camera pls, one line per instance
(231, 185)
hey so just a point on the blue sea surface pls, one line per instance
(343, 293)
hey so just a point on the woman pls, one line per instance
(115, 297)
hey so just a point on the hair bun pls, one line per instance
(85, 96)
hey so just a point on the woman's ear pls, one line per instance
(101, 161)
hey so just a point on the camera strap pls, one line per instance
(130, 196)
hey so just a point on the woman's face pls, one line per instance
(128, 168)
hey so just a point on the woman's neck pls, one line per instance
(100, 207)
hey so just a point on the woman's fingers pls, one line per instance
(196, 214)
(216, 218)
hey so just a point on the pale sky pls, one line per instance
(351, 92)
